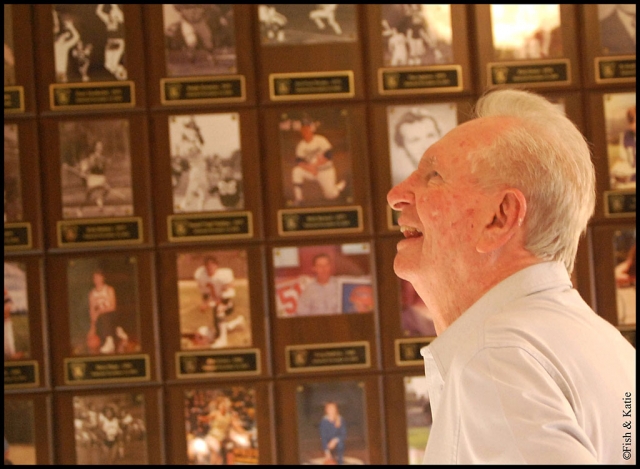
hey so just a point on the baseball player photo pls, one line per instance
(206, 162)
(17, 343)
(416, 34)
(323, 280)
(419, 419)
(526, 32)
(89, 42)
(199, 39)
(103, 301)
(19, 432)
(9, 55)
(287, 24)
(316, 158)
(620, 127)
(213, 293)
(13, 211)
(95, 168)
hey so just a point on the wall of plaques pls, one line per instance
(198, 260)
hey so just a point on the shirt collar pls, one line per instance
(525, 282)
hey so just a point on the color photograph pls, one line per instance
(332, 423)
(110, 429)
(617, 28)
(624, 249)
(316, 157)
(19, 432)
(89, 42)
(206, 162)
(214, 302)
(415, 319)
(288, 24)
(95, 169)
(199, 39)
(416, 35)
(620, 127)
(104, 305)
(12, 185)
(526, 32)
(9, 55)
(325, 279)
(17, 343)
(419, 417)
(221, 426)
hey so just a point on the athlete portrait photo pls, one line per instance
(617, 28)
(17, 342)
(620, 128)
(315, 157)
(19, 432)
(9, 54)
(419, 419)
(13, 211)
(206, 162)
(624, 251)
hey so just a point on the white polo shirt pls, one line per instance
(531, 375)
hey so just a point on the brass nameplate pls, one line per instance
(100, 232)
(538, 73)
(125, 368)
(320, 220)
(616, 69)
(316, 85)
(436, 79)
(208, 363)
(196, 227)
(17, 236)
(99, 95)
(203, 90)
(408, 350)
(22, 374)
(325, 357)
(620, 204)
(13, 99)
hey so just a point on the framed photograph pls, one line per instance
(617, 29)
(419, 418)
(19, 432)
(110, 429)
(19, 85)
(332, 423)
(323, 280)
(213, 293)
(221, 425)
(620, 125)
(9, 50)
(624, 251)
(13, 209)
(416, 321)
(17, 340)
(206, 162)
(315, 153)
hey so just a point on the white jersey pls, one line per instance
(310, 151)
(221, 280)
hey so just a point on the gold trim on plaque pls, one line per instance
(293, 97)
(81, 361)
(524, 64)
(99, 221)
(618, 58)
(20, 247)
(622, 193)
(97, 84)
(346, 208)
(203, 79)
(36, 368)
(418, 70)
(21, 106)
(398, 343)
(306, 347)
(213, 353)
(212, 216)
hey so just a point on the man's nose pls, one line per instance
(401, 194)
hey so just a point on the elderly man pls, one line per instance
(522, 370)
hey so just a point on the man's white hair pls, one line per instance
(546, 157)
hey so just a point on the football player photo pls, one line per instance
(206, 162)
(95, 168)
(199, 39)
(620, 127)
(89, 42)
(419, 419)
(617, 28)
(213, 293)
(17, 343)
(315, 157)
(19, 432)
(624, 249)
(12, 186)
(9, 56)
(416, 34)
(526, 32)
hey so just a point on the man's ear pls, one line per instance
(507, 219)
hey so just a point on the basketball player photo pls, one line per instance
(199, 39)
(315, 157)
(416, 35)
(297, 24)
(95, 168)
(624, 249)
(526, 32)
(103, 304)
(221, 426)
(110, 429)
(9, 55)
(89, 42)
(323, 280)
(206, 162)
(13, 211)
(213, 293)
(620, 127)
(332, 423)
(19, 432)
(419, 419)
(17, 342)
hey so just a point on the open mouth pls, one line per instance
(410, 232)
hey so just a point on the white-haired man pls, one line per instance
(522, 370)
